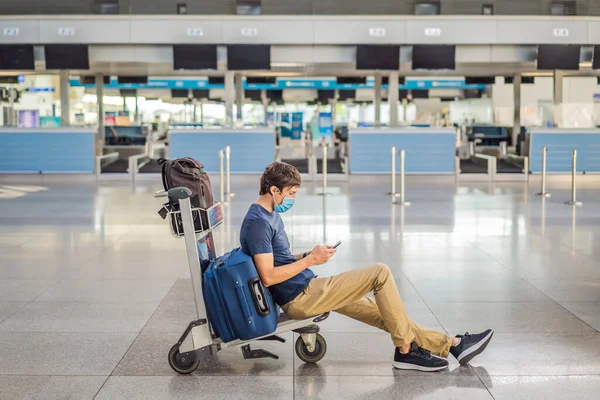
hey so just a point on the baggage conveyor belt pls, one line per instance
(503, 167)
(333, 166)
(120, 167)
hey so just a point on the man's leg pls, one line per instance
(340, 291)
(365, 310)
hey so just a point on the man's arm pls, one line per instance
(271, 275)
(301, 256)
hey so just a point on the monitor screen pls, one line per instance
(216, 80)
(351, 80)
(200, 94)
(525, 80)
(248, 57)
(16, 57)
(275, 95)
(195, 56)
(91, 80)
(254, 95)
(558, 56)
(323, 96)
(67, 56)
(433, 57)
(480, 80)
(378, 57)
(9, 79)
(142, 80)
(420, 94)
(255, 80)
(180, 93)
(346, 95)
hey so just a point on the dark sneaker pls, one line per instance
(471, 345)
(419, 359)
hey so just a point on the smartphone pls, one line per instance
(336, 245)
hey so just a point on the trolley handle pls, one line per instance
(178, 193)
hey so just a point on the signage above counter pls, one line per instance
(280, 84)
(297, 30)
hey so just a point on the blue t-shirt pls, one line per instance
(263, 232)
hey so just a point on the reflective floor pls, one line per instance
(94, 291)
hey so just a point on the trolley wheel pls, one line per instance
(179, 366)
(311, 356)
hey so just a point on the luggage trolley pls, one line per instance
(198, 341)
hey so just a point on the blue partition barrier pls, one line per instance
(428, 150)
(57, 150)
(251, 149)
(560, 143)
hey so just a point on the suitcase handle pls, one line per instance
(239, 290)
(258, 296)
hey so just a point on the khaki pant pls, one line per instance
(345, 293)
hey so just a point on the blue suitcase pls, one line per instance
(237, 303)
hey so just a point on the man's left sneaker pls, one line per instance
(471, 345)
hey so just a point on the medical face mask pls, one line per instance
(286, 204)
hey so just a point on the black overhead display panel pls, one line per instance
(351, 80)
(16, 57)
(67, 56)
(558, 56)
(323, 96)
(140, 80)
(91, 80)
(434, 56)
(254, 95)
(180, 93)
(525, 80)
(257, 80)
(346, 95)
(373, 57)
(480, 80)
(200, 94)
(248, 57)
(194, 56)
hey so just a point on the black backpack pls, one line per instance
(189, 173)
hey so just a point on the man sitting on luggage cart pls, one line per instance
(301, 295)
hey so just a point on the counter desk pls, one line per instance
(560, 144)
(251, 149)
(428, 150)
(47, 150)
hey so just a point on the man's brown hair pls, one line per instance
(281, 175)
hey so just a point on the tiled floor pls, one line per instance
(94, 291)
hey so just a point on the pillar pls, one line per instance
(229, 97)
(393, 94)
(65, 98)
(558, 95)
(239, 96)
(377, 99)
(517, 111)
(100, 96)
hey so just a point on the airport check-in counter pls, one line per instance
(251, 149)
(560, 143)
(428, 150)
(47, 150)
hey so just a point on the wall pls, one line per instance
(278, 7)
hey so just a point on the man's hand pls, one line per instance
(321, 254)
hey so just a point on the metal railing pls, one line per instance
(520, 161)
(492, 164)
(109, 158)
(135, 163)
